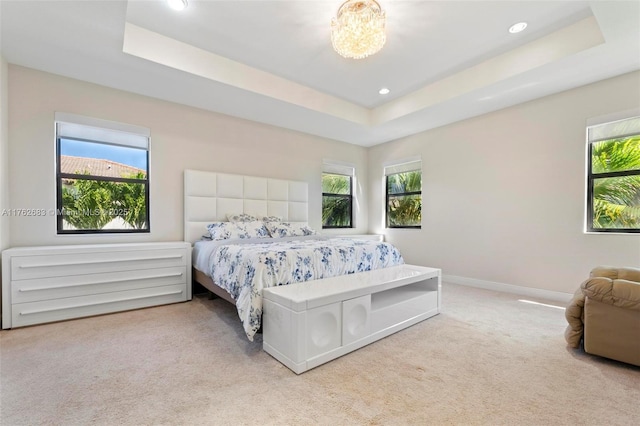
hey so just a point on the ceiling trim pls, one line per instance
(167, 51)
(567, 41)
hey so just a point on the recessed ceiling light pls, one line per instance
(384, 91)
(177, 4)
(516, 28)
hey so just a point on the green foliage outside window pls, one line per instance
(91, 204)
(336, 201)
(84, 203)
(404, 200)
(615, 175)
(131, 200)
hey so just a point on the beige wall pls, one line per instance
(4, 160)
(504, 193)
(4, 153)
(181, 138)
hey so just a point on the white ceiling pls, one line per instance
(272, 61)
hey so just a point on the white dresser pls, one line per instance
(44, 284)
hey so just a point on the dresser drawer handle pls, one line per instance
(26, 290)
(92, 262)
(40, 311)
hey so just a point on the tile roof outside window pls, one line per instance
(96, 167)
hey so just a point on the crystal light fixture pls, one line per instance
(358, 29)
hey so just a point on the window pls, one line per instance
(102, 176)
(404, 195)
(337, 196)
(613, 177)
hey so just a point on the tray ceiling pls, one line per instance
(272, 61)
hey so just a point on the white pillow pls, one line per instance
(241, 217)
(226, 230)
(271, 219)
(289, 229)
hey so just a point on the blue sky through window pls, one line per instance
(121, 154)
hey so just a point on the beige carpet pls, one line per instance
(487, 359)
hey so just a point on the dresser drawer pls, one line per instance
(36, 289)
(60, 265)
(73, 307)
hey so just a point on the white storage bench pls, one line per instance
(307, 324)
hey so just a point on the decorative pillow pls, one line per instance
(271, 219)
(254, 229)
(289, 229)
(226, 230)
(241, 217)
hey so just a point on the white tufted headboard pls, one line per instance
(209, 197)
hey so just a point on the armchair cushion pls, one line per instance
(618, 292)
(629, 274)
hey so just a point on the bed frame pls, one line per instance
(210, 197)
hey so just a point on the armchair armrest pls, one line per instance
(604, 313)
(575, 317)
(618, 287)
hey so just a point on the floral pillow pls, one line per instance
(289, 229)
(226, 230)
(255, 229)
(241, 217)
(271, 219)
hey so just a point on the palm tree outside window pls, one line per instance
(338, 198)
(337, 201)
(613, 177)
(403, 184)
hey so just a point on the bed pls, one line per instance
(239, 266)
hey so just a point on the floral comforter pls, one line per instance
(244, 270)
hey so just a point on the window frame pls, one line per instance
(117, 131)
(591, 177)
(400, 194)
(348, 196)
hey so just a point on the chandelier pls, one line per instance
(358, 29)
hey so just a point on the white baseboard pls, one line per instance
(556, 296)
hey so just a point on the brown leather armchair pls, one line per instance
(605, 314)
